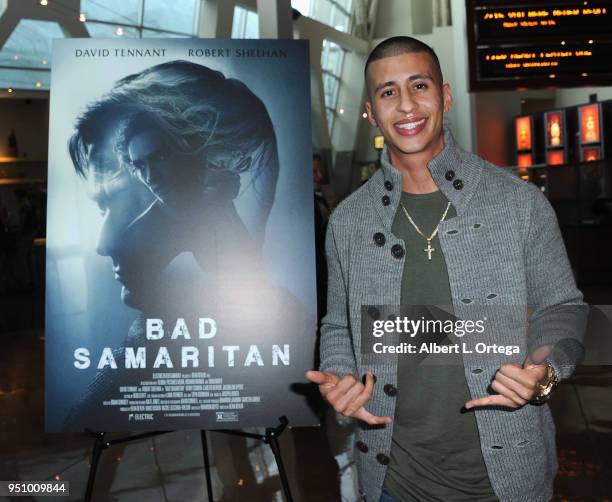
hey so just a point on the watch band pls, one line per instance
(547, 385)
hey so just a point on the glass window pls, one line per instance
(330, 118)
(114, 11)
(161, 34)
(335, 13)
(332, 57)
(246, 23)
(178, 16)
(25, 79)
(100, 30)
(30, 44)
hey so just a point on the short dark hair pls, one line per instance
(396, 46)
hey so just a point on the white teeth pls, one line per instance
(411, 125)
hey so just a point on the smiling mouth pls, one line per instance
(410, 128)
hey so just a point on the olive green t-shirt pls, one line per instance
(435, 453)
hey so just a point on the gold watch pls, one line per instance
(547, 384)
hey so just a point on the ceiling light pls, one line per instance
(43, 2)
(10, 91)
(38, 84)
(341, 111)
(119, 31)
(82, 17)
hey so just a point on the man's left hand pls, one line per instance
(515, 386)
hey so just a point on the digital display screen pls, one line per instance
(544, 44)
(509, 20)
(547, 61)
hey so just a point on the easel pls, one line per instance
(270, 437)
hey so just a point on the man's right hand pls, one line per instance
(347, 395)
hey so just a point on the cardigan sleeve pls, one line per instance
(558, 312)
(337, 352)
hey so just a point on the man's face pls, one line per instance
(175, 179)
(407, 103)
(134, 232)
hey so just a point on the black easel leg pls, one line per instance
(95, 457)
(281, 468)
(209, 491)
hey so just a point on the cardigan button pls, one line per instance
(397, 251)
(388, 185)
(450, 175)
(390, 390)
(386, 200)
(363, 378)
(379, 239)
(382, 459)
(458, 184)
(362, 447)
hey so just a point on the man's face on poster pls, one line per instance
(134, 232)
(175, 179)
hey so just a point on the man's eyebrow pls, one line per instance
(420, 76)
(411, 78)
(388, 83)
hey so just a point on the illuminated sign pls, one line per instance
(524, 160)
(591, 154)
(545, 61)
(555, 157)
(555, 129)
(379, 142)
(505, 21)
(589, 124)
(540, 44)
(523, 133)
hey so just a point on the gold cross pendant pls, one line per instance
(429, 249)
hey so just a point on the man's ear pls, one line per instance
(370, 112)
(447, 97)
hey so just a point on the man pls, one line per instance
(440, 226)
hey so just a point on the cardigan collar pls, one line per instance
(456, 173)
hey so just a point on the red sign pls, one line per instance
(589, 123)
(556, 157)
(591, 154)
(524, 160)
(554, 129)
(523, 133)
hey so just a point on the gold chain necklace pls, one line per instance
(428, 249)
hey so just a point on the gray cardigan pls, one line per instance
(504, 248)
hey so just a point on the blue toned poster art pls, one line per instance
(180, 253)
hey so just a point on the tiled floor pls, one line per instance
(169, 467)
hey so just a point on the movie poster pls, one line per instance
(180, 249)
